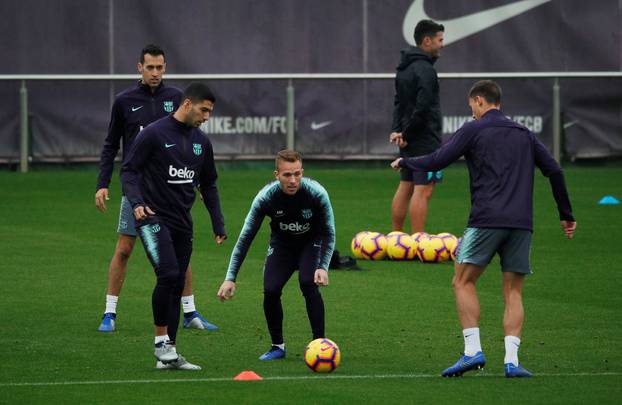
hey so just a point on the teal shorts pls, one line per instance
(479, 245)
(126, 218)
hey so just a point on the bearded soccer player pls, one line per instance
(303, 238)
(501, 156)
(167, 161)
(133, 109)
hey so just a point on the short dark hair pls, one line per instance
(488, 89)
(151, 49)
(287, 155)
(427, 28)
(197, 92)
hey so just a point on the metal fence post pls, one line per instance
(23, 128)
(291, 140)
(557, 125)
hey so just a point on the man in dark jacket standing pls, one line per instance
(417, 123)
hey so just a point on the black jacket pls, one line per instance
(417, 109)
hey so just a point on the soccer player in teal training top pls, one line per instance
(501, 156)
(303, 238)
(167, 161)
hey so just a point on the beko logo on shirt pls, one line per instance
(184, 174)
(295, 227)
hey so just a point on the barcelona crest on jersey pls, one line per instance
(168, 106)
(196, 147)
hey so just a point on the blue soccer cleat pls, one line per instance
(275, 353)
(108, 322)
(196, 321)
(512, 371)
(466, 363)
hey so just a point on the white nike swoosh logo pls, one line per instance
(169, 145)
(136, 108)
(461, 27)
(319, 125)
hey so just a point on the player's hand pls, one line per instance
(226, 290)
(395, 165)
(101, 196)
(394, 137)
(568, 227)
(142, 211)
(220, 239)
(320, 277)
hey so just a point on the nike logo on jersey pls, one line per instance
(462, 27)
(319, 125)
(137, 108)
(169, 145)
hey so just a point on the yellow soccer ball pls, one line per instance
(322, 356)
(355, 246)
(451, 242)
(432, 249)
(400, 246)
(374, 246)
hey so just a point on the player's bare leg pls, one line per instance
(118, 264)
(464, 281)
(399, 205)
(514, 313)
(116, 277)
(192, 318)
(513, 317)
(419, 204)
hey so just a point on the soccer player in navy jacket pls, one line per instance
(167, 161)
(501, 156)
(303, 238)
(133, 109)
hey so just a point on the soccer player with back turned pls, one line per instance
(167, 161)
(501, 156)
(133, 109)
(303, 238)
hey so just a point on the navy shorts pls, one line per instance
(479, 245)
(421, 178)
(282, 261)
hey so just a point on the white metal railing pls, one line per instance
(290, 77)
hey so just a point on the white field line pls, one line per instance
(292, 378)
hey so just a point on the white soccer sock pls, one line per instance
(160, 339)
(281, 346)
(512, 343)
(472, 344)
(188, 303)
(111, 303)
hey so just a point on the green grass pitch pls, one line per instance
(394, 322)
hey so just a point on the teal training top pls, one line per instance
(304, 217)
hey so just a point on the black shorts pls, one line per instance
(421, 178)
(282, 261)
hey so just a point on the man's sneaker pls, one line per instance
(466, 363)
(512, 371)
(196, 321)
(274, 353)
(165, 352)
(108, 322)
(180, 364)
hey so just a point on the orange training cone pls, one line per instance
(248, 376)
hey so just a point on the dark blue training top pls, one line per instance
(133, 109)
(501, 156)
(306, 216)
(167, 160)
